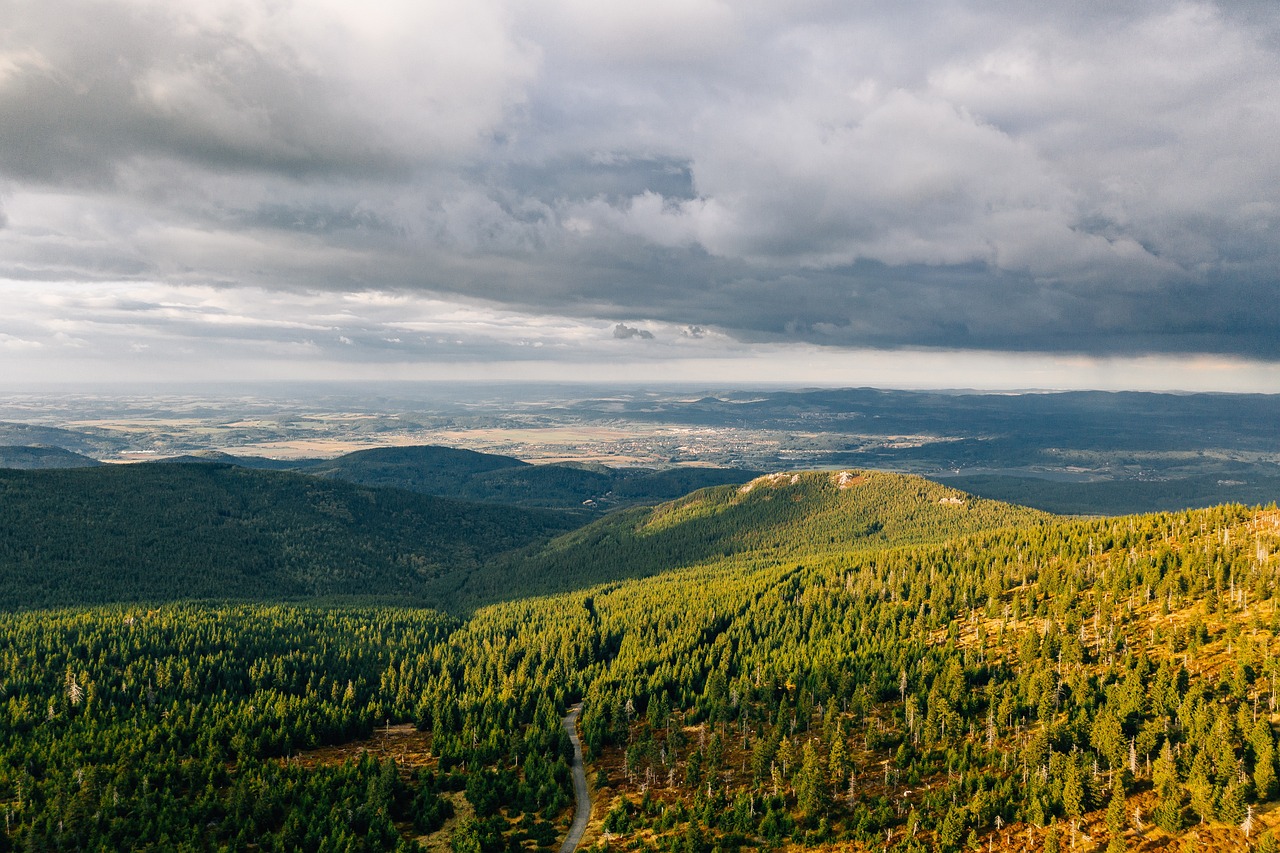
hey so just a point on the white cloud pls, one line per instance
(12, 343)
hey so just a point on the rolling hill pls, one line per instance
(86, 441)
(201, 529)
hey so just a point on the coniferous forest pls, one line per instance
(854, 660)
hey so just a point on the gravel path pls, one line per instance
(582, 811)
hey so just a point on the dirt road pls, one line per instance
(582, 811)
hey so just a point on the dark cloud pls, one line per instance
(1094, 178)
(623, 332)
(303, 92)
(614, 179)
(322, 219)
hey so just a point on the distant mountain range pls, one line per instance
(1074, 452)
(449, 473)
(1072, 419)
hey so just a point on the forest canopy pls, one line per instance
(813, 667)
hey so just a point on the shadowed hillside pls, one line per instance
(35, 458)
(164, 532)
(468, 475)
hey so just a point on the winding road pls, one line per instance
(582, 810)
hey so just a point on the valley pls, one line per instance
(849, 659)
(1077, 452)
(378, 650)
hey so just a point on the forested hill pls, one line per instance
(31, 458)
(166, 532)
(468, 475)
(430, 469)
(771, 518)
(210, 530)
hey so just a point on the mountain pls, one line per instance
(772, 518)
(204, 529)
(33, 458)
(166, 532)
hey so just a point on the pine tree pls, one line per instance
(811, 784)
(1107, 737)
(1204, 794)
(1231, 808)
(1051, 839)
(839, 763)
(1073, 791)
(1264, 768)
(1116, 811)
(465, 837)
(1168, 812)
(1164, 774)
(950, 830)
(1168, 815)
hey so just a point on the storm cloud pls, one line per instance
(1098, 179)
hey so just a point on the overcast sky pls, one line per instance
(924, 192)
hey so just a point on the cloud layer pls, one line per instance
(969, 175)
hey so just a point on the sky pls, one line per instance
(925, 193)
